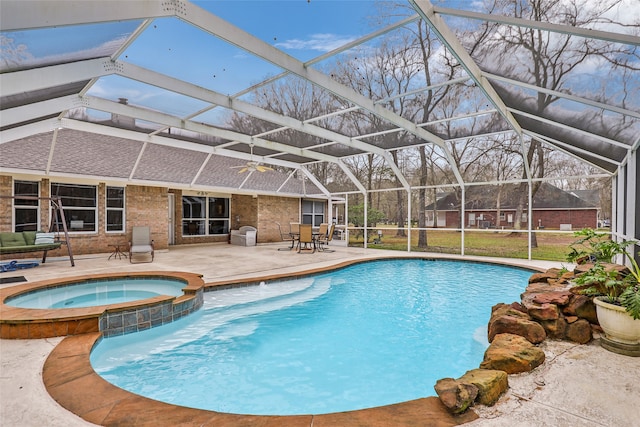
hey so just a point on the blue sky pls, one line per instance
(313, 26)
(302, 29)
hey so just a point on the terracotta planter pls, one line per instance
(618, 325)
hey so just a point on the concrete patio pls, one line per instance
(577, 385)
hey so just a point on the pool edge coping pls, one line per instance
(71, 381)
(257, 279)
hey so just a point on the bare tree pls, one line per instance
(545, 59)
(429, 102)
(13, 55)
(381, 76)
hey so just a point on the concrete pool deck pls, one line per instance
(577, 385)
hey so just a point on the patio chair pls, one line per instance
(324, 239)
(322, 232)
(294, 228)
(286, 236)
(141, 242)
(306, 238)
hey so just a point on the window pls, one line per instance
(26, 211)
(218, 215)
(202, 216)
(79, 203)
(115, 209)
(313, 212)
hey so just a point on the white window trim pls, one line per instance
(313, 213)
(66, 207)
(207, 217)
(123, 209)
(37, 207)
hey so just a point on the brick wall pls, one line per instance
(6, 185)
(144, 206)
(276, 209)
(149, 206)
(244, 211)
(577, 218)
(549, 219)
(453, 219)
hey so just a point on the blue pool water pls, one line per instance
(98, 292)
(368, 335)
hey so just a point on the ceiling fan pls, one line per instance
(252, 166)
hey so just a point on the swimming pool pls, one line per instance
(91, 293)
(367, 335)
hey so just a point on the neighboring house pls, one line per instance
(493, 207)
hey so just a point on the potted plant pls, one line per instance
(616, 289)
(592, 246)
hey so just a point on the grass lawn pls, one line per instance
(551, 246)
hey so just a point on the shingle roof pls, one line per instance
(486, 198)
(102, 156)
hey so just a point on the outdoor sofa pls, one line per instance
(27, 241)
(244, 236)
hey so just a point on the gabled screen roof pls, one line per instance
(296, 84)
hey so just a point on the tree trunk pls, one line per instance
(422, 218)
(400, 215)
(422, 200)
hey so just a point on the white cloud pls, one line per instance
(324, 42)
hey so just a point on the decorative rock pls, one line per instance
(513, 309)
(540, 288)
(621, 269)
(583, 307)
(512, 354)
(455, 395)
(555, 328)
(544, 311)
(555, 282)
(518, 307)
(566, 277)
(582, 268)
(491, 384)
(513, 322)
(571, 319)
(558, 298)
(552, 273)
(579, 331)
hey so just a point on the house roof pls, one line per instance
(99, 156)
(179, 136)
(488, 197)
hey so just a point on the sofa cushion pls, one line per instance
(29, 237)
(12, 239)
(44, 238)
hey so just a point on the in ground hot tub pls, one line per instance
(114, 304)
(92, 292)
